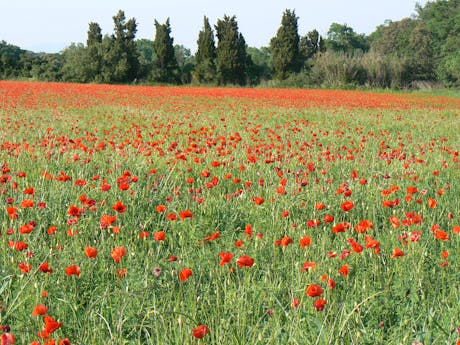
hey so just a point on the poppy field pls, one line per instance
(169, 215)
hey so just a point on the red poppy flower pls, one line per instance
(161, 208)
(28, 203)
(107, 220)
(313, 223)
(51, 325)
(248, 230)
(185, 274)
(432, 203)
(40, 309)
(398, 253)
(285, 241)
(7, 339)
(46, 268)
(348, 205)
(308, 266)
(314, 290)
(73, 270)
(344, 270)
(341, 227)
(328, 218)
(331, 283)
(258, 200)
(186, 214)
(91, 252)
(75, 211)
(305, 241)
(119, 207)
(441, 235)
(456, 229)
(245, 261)
(118, 253)
(226, 258)
(160, 235)
(213, 237)
(200, 331)
(171, 216)
(25, 267)
(320, 304)
(295, 303)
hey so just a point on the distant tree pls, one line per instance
(47, 67)
(231, 52)
(409, 40)
(442, 21)
(421, 58)
(285, 47)
(166, 69)
(121, 61)
(310, 44)
(341, 37)
(10, 60)
(205, 69)
(93, 60)
(76, 67)
(186, 63)
(259, 67)
(392, 37)
(94, 34)
(146, 57)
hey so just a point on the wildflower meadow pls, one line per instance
(182, 215)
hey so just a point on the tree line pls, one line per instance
(406, 53)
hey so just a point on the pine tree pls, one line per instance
(166, 69)
(285, 47)
(231, 52)
(205, 70)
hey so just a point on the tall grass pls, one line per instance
(317, 155)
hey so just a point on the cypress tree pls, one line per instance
(93, 58)
(205, 70)
(231, 52)
(166, 69)
(121, 60)
(285, 47)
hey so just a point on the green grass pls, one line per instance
(384, 300)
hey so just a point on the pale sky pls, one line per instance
(51, 25)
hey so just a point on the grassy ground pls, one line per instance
(360, 201)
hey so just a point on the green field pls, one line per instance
(134, 215)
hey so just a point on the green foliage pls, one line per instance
(77, 64)
(383, 300)
(408, 40)
(442, 20)
(186, 63)
(231, 52)
(341, 37)
(338, 69)
(310, 44)
(205, 69)
(146, 57)
(422, 50)
(259, 68)
(10, 60)
(166, 69)
(122, 54)
(285, 47)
